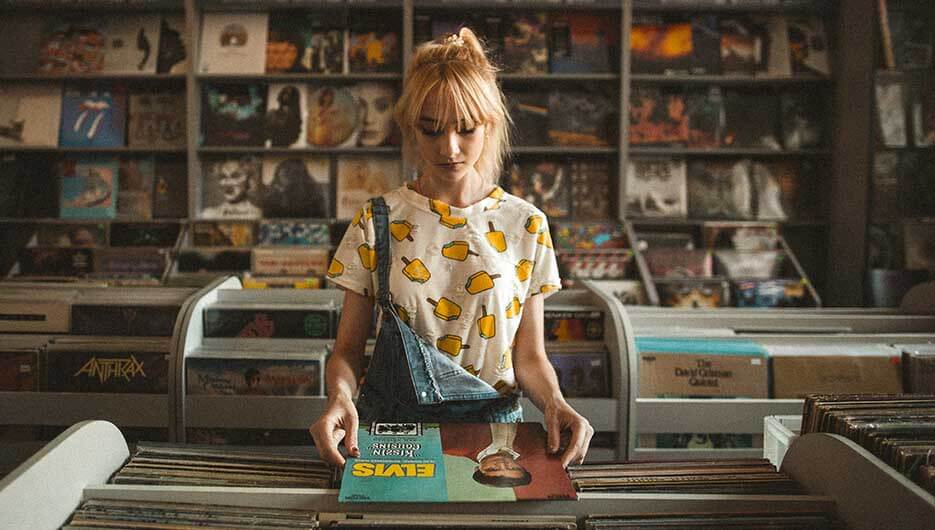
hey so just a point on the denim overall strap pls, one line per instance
(381, 227)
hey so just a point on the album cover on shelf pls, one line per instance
(285, 43)
(233, 114)
(743, 46)
(661, 47)
(720, 190)
(233, 43)
(525, 44)
(656, 187)
(440, 26)
(144, 234)
(69, 368)
(290, 261)
(71, 45)
(780, 192)
(294, 233)
(231, 188)
(629, 292)
(19, 369)
(672, 262)
(223, 234)
(801, 115)
(71, 235)
(530, 112)
(220, 261)
(325, 45)
(581, 118)
(771, 293)
(584, 235)
(30, 114)
(891, 112)
(173, 49)
(922, 112)
(778, 53)
(705, 111)
(373, 46)
(694, 294)
(706, 45)
(492, 26)
(156, 319)
(583, 43)
(658, 116)
(130, 262)
(545, 184)
(594, 264)
(53, 261)
(170, 188)
(919, 241)
(751, 120)
(135, 190)
(916, 165)
(749, 264)
(740, 236)
(361, 178)
(93, 116)
(285, 115)
(911, 39)
(156, 118)
(889, 187)
(583, 373)
(442, 460)
(256, 377)
(333, 116)
(591, 190)
(680, 239)
(809, 46)
(311, 322)
(376, 101)
(573, 325)
(88, 188)
(131, 43)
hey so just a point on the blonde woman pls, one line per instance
(458, 267)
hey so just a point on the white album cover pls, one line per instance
(234, 43)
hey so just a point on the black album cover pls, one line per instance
(270, 323)
(706, 45)
(123, 320)
(223, 261)
(144, 234)
(525, 44)
(751, 120)
(233, 114)
(529, 110)
(170, 188)
(801, 120)
(581, 118)
(173, 52)
(888, 187)
(590, 189)
(50, 261)
(912, 39)
(296, 187)
(136, 372)
(720, 190)
(546, 184)
(705, 112)
(285, 116)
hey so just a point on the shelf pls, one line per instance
(217, 150)
(91, 5)
(66, 408)
(677, 221)
(509, 78)
(91, 150)
(98, 76)
(724, 151)
(58, 221)
(736, 6)
(303, 77)
(265, 5)
(729, 80)
(563, 150)
(518, 4)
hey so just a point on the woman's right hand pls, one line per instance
(339, 421)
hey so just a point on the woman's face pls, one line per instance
(234, 180)
(376, 109)
(449, 153)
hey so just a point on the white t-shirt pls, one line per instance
(458, 276)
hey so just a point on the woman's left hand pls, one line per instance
(559, 418)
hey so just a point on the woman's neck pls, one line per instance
(461, 194)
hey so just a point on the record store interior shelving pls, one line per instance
(817, 242)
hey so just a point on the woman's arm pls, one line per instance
(341, 375)
(536, 378)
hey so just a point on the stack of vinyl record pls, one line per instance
(167, 464)
(102, 513)
(735, 476)
(735, 521)
(401, 521)
(898, 428)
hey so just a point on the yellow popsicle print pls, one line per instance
(415, 270)
(497, 193)
(458, 250)
(548, 288)
(496, 238)
(480, 282)
(451, 344)
(363, 215)
(469, 368)
(445, 309)
(401, 313)
(534, 224)
(486, 325)
(494, 206)
(335, 269)
(401, 230)
(368, 256)
(444, 214)
(513, 308)
(524, 269)
(545, 239)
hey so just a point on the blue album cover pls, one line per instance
(93, 117)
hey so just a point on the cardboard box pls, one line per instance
(798, 370)
(679, 367)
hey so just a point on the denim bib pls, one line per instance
(408, 378)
